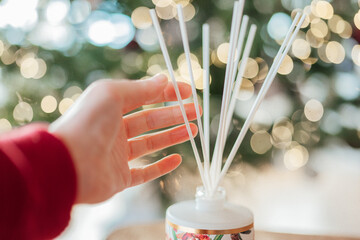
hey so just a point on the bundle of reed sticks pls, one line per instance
(212, 172)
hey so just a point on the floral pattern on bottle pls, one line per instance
(176, 234)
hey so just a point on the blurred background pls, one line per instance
(298, 168)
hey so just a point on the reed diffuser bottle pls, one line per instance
(209, 218)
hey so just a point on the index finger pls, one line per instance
(155, 90)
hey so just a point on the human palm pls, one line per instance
(101, 140)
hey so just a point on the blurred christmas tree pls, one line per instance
(52, 50)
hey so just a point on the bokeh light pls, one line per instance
(260, 142)
(162, 3)
(188, 11)
(296, 157)
(115, 30)
(263, 70)
(347, 86)
(336, 24)
(319, 28)
(355, 54)
(24, 17)
(346, 30)
(316, 87)
(2, 47)
(147, 39)
(335, 52)
(79, 11)
(29, 68)
(141, 17)
(314, 41)
(71, 91)
(301, 49)
(23, 112)
(154, 69)
(321, 51)
(5, 125)
(8, 56)
(197, 71)
(246, 90)
(166, 12)
(222, 52)
(65, 104)
(330, 123)
(49, 104)
(324, 9)
(101, 32)
(281, 136)
(278, 26)
(286, 66)
(313, 110)
(252, 68)
(307, 18)
(42, 68)
(57, 10)
(357, 20)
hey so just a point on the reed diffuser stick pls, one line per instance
(240, 76)
(185, 42)
(206, 93)
(229, 78)
(247, 50)
(239, 47)
(217, 159)
(266, 85)
(172, 76)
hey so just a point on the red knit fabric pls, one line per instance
(37, 184)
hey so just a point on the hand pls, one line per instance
(101, 140)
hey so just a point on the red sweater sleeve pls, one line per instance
(37, 184)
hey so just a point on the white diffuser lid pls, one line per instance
(209, 214)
